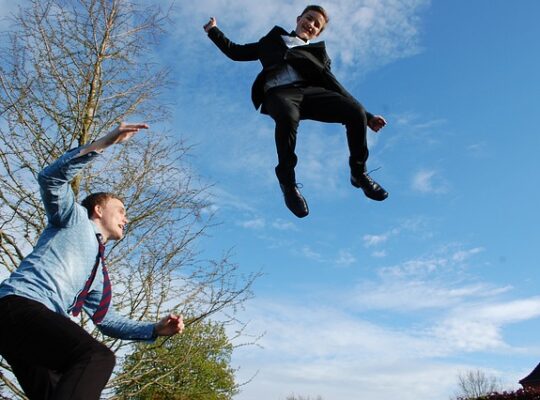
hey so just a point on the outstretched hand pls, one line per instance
(377, 123)
(169, 325)
(123, 132)
(120, 134)
(210, 24)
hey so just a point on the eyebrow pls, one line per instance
(311, 16)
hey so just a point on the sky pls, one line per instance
(363, 299)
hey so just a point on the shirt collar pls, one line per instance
(293, 34)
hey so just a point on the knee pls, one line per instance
(96, 355)
(287, 117)
(283, 112)
(357, 114)
(104, 357)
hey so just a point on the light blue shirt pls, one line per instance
(55, 272)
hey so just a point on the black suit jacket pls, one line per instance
(310, 60)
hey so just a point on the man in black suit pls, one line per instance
(296, 83)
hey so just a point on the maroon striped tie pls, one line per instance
(105, 301)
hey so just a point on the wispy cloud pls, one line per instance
(462, 255)
(375, 240)
(405, 295)
(345, 258)
(257, 223)
(314, 350)
(412, 129)
(433, 281)
(379, 254)
(474, 327)
(314, 347)
(415, 225)
(479, 149)
(221, 198)
(384, 30)
(429, 181)
(310, 253)
(283, 225)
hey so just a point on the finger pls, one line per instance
(135, 126)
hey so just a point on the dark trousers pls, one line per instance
(289, 104)
(52, 357)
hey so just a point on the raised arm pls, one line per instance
(122, 133)
(236, 52)
(54, 181)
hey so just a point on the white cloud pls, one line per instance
(383, 30)
(476, 327)
(221, 198)
(504, 313)
(379, 254)
(478, 149)
(257, 223)
(429, 181)
(409, 225)
(463, 255)
(415, 267)
(311, 254)
(405, 295)
(374, 240)
(283, 225)
(318, 348)
(435, 281)
(345, 258)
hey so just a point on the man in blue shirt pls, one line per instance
(52, 356)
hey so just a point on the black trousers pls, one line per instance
(52, 357)
(288, 105)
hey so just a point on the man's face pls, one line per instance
(309, 25)
(112, 219)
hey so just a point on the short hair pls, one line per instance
(95, 199)
(318, 9)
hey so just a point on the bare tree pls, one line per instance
(474, 384)
(69, 71)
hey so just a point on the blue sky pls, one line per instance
(393, 299)
(364, 299)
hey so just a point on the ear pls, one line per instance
(98, 211)
(298, 18)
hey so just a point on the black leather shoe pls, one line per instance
(294, 200)
(371, 188)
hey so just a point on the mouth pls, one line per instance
(308, 29)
